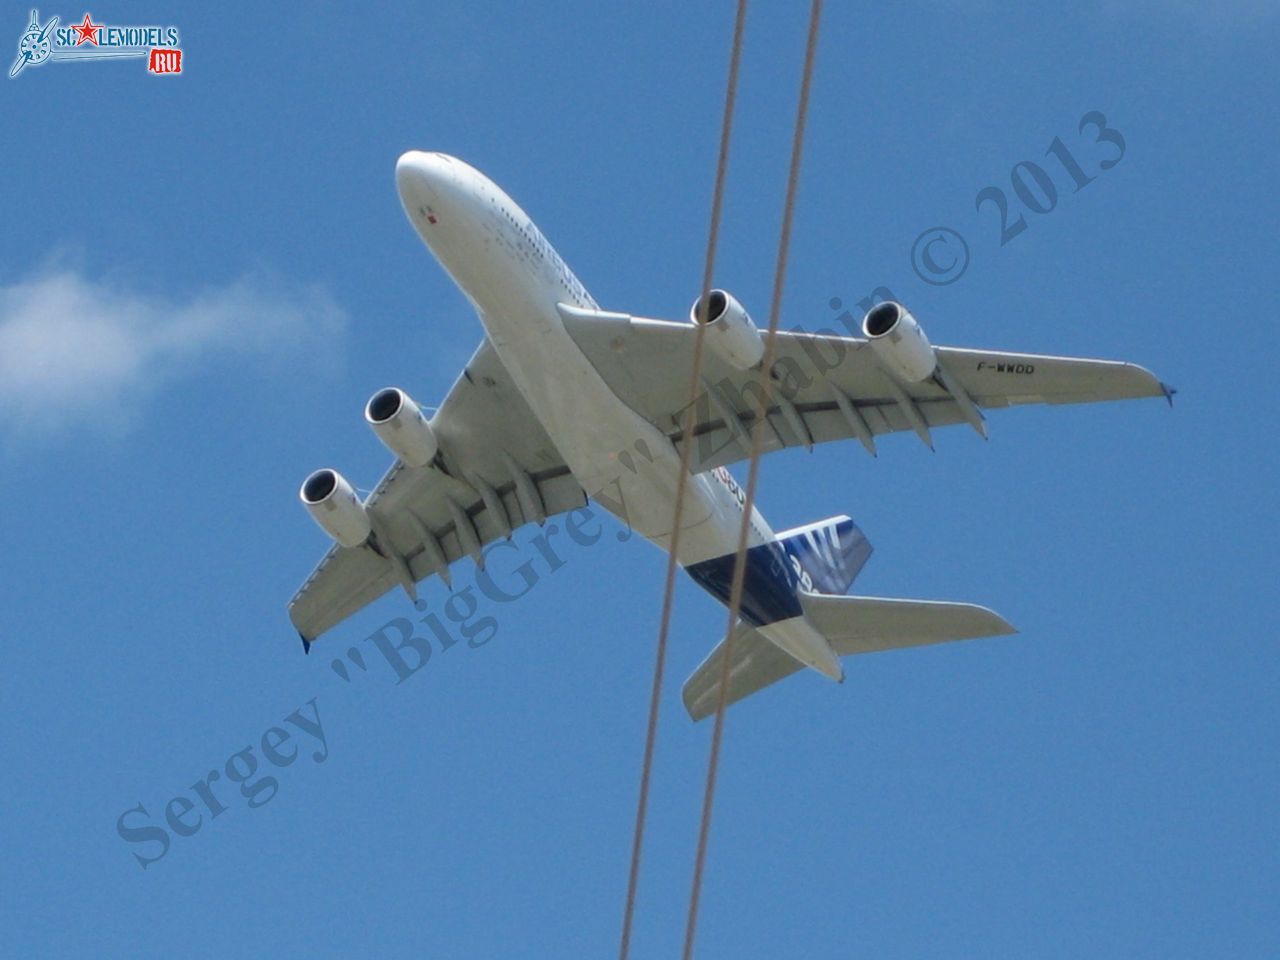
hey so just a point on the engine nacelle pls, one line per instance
(730, 332)
(334, 505)
(401, 426)
(898, 341)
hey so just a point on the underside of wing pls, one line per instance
(827, 387)
(496, 470)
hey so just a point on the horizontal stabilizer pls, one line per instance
(851, 625)
(867, 624)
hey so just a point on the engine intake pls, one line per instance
(730, 332)
(402, 427)
(333, 504)
(898, 341)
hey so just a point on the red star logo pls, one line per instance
(88, 31)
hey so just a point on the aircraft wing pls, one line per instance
(827, 387)
(497, 470)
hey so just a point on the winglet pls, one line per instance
(306, 644)
(1168, 392)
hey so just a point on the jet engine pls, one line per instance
(334, 505)
(898, 341)
(401, 426)
(730, 333)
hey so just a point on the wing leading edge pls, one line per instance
(496, 471)
(828, 387)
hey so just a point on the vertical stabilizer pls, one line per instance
(829, 553)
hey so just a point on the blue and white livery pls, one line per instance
(564, 401)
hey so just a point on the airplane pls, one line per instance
(565, 401)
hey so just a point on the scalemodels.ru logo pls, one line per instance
(98, 41)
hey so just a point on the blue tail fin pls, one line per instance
(831, 552)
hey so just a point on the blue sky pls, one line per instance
(204, 277)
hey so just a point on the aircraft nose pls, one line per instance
(422, 176)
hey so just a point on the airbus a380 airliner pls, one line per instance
(563, 400)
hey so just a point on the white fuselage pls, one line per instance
(515, 279)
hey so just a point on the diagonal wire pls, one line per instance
(686, 433)
(757, 432)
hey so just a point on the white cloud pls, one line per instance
(74, 349)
